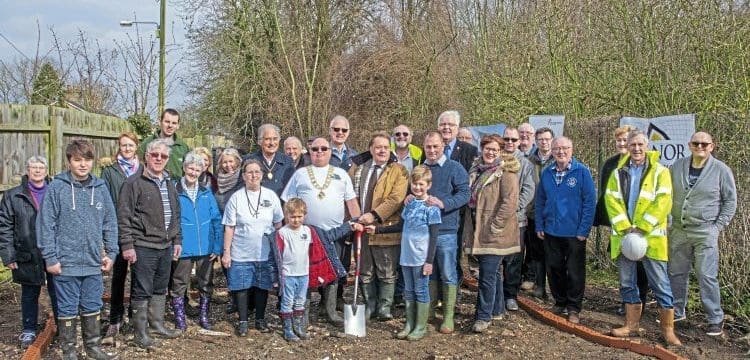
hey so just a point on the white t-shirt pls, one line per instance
(248, 243)
(328, 212)
(295, 260)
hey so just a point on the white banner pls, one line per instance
(669, 135)
(554, 122)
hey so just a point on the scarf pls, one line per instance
(129, 167)
(227, 181)
(192, 193)
(484, 175)
(37, 193)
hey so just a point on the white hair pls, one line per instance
(450, 113)
(193, 158)
(36, 159)
(262, 130)
(157, 144)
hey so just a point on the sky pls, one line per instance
(99, 19)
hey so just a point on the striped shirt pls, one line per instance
(164, 191)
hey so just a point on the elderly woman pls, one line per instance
(18, 248)
(491, 225)
(207, 178)
(251, 215)
(228, 179)
(124, 165)
(202, 237)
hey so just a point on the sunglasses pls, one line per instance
(159, 156)
(400, 134)
(341, 130)
(319, 148)
(508, 139)
(699, 144)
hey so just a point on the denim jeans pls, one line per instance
(416, 285)
(445, 263)
(150, 274)
(76, 293)
(294, 293)
(488, 287)
(30, 302)
(658, 280)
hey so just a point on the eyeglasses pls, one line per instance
(159, 156)
(37, 167)
(319, 148)
(544, 139)
(699, 144)
(509, 139)
(400, 134)
(447, 124)
(341, 130)
(561, 148)
(491, 150)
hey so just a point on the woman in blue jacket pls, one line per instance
(202, 236)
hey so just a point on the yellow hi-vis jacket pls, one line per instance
(651, 210)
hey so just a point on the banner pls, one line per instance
(478, 131)
(669, 135)
(554, 122)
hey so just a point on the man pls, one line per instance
(449, 192)
(380, 183)
(277, 167)
(453, 148)
(527, 185)
(169, 123)
(293, 148)
(342, 153)
(536, 275)
(565, 205)
(465, 135)
(149, 223)
(407, 154)
(705, 200)
(328, 189)
(526, 136)
(638, 200)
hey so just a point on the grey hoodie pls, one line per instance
(75, 223)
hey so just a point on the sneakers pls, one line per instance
(573, 317)
(27, 338)
(480, 326)
(559, 310)
(511, 305)
(714, 329)
(527, 285)
(498, 317)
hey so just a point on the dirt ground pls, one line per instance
(518, 336)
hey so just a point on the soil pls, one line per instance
(518, 336)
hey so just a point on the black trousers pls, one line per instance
(566, 270)
(150, 273)
(117, 299)
(512, 266)
(535, 259)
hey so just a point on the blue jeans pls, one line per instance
(490, 288)
(30, 302)
(416, 285)
(444, 267)
(78, 292)
(658, 281)
(294, 293)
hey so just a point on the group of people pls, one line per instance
(520, 208)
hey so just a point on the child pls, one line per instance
(305, 259)
(419, 226)
(77, 219)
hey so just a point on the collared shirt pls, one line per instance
(450, 147)
(366, 184)
(560, 173)
(192, 193)
(343, 154)
(636, 173)
(439, 161)
(164, 191)
(407, 161)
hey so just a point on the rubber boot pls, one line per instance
(385, 301)
(330, 304)
(666, 322)
(449, 307)
(410, 312)
(67, 337)
(306, 315)
(156, 308)
(205, 301)
(92, 337)
(298, 325)
(370, 293)
(420, 324)
(433, 298)
(140, 324)
(632, 320)
(288, 328)
(242, 328)
(178, 304)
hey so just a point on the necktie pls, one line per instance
(371, 188)
(446, 150)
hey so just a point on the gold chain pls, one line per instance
(314, 181)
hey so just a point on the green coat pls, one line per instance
(176, 156)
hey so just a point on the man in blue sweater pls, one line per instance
(449, 192)
(565, 206)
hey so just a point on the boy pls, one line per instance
(306, 259)
(419, 225)
(77, 218)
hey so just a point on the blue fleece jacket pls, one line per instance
(202, 232)
(74, 223)
(565, 210)
(450, 184)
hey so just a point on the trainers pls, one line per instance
(498, 317)
(27, 338)
(480, 326)
(715, 329)
(527, 285)
(559, 310)
(511, 305)
(573, 317)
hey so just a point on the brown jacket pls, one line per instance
(387, 198)
(494, 230)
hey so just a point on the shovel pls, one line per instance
(354, 314)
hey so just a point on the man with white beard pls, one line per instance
(407, 154)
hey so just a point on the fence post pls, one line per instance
(56, 143)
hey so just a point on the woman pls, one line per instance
(491, 226)
(125, 164)
(18, 248)
(251, 215)
(206, 179)
(202, 237)
(228, 179)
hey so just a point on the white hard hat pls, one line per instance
(634, 246)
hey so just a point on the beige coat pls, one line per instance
(387, 198)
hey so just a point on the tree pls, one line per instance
(47, 88)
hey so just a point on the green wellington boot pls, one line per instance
(420, 325)
(411, 318)
(449, 307)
